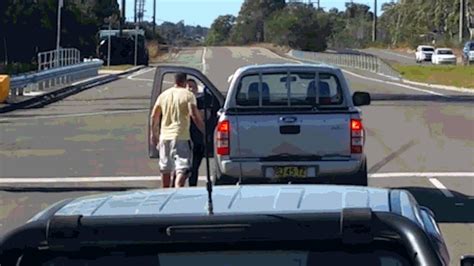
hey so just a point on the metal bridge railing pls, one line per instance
(58, 58)
(362, 61)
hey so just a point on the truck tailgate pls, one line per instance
(267, 135)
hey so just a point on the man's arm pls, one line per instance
(155, 123)
(197, 117)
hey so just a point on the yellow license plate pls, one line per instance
(289, 171)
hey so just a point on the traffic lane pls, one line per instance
(394, 56)
(414, 137)
(100, 145)
(224, 61)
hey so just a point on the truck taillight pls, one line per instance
(222, 138)
(357, 136)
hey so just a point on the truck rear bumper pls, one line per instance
(316, 169)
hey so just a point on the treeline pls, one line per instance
(414, 21)
(29, 26)
(302, 26)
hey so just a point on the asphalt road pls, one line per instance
(423, 142)
(392, 56)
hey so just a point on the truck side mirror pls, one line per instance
(361, 98)
(467, 260)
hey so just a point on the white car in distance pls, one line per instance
(424, 53)
(443, 56)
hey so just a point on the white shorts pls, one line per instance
(175, 155)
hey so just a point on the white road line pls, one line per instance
(422, 174)
(203, 61)
(72, 115)
(139, 79)
(441, 187)
(88, 79)
(23, 180)
(141, 72)
(394, 83)
(375, 80)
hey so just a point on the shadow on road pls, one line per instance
(458, 209)
(418, 97)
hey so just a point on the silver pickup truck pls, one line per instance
(281, 123)
(290, 123)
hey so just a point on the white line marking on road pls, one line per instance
(141, 72)
(139, 79)
(203, 61)
(376, 80)
(459, 204)
(395, 84)
(73, 115)
(23, 180)
(422, 174)
(441, 187)
(88, 79)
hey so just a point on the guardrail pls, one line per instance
(361, 61)
(53, 78)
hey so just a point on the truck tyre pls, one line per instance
(361, 177)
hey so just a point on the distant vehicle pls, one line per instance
(424, 53)
(269, 224)
(443, 56)
(468, 52)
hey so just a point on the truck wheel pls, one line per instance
(361, 177)
(218, 179)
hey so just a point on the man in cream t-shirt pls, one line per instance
(175, 107)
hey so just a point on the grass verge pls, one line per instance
(459, 76)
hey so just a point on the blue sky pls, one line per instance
(203, 12)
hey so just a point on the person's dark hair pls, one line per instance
(180, 78)
(192, 80)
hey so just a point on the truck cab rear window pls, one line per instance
(295, 89)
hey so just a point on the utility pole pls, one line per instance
(461, 20)
(374, 28)
(135, 12)
(154, 15)
(6, 50)
(109, 44)
(122, 18)
(136, 44)
(58, 34)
